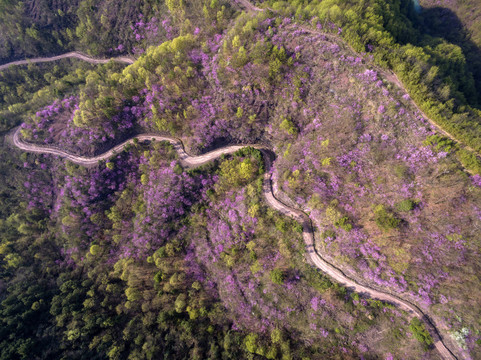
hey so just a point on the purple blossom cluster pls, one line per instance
(229, 223)
(368, 160)
(89, 192)
(368, 76)
(152, 32)
(54, 125)
(209, 124)
(476, 179)
(166, 196)
(39, 192)
(44, 118)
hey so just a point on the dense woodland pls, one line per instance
(140, 257)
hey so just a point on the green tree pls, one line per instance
(277, 276)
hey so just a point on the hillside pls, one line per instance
(148, 251)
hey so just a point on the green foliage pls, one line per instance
(235, 173)
(405, 205)
(252, 152)
(335, 216)
(25, 89)
(277, 276)
(243, 168)
(440, 143)
(385, 219)
(95, 249)
(328, 234)
(281, 225)
(180, 303)
(289, 127)
(276, 336)
(420, 333)
(251, 343)
(326, 161)
(239, 112)
(332, 213)
(298, 228)
(469, 160)
(343, 223)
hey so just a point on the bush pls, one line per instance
(234, 173)
(281, 225)
(252, 152)
(440, 143)
(344, 224)
(289, 127)
(469, 160)
(277, 276)
(95, 249)
(385, 219)
(405, 205)
(328, 234)
(420, 333)
(298, 228)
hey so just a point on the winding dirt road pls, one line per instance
(73, 54)
(248, 5)
(270, 189)
(388, 74)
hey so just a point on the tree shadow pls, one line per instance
(443, 23)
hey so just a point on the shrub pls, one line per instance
(276, 336)
(289, 127)
(420, 333)
(180, 303)
(277, 276)
(469, 160)
(234, 173)
(344, 224)
(281, 225)
(385, 219)
(332, 213)
(252, 152)
(328, 234)
(298, 228)
(440, 143)
(251, 342)
(405, 205)
(95, 249)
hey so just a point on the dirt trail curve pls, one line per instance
(269, 190)
(392, 77)
(73, 54)
(248, 5)
(388, 74)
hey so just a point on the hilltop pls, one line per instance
(143, 256)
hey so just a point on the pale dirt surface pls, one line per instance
(269, 194)
(247, 5)
(393, 78)
(389, 75)
(74, 54)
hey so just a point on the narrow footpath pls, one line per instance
(73, 54)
